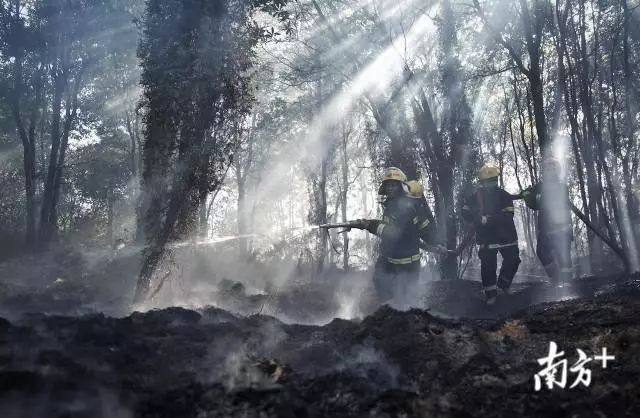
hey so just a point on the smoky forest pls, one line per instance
(319, 208)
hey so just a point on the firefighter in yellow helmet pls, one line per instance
(424, 220)
(490, 209)
(397, 268)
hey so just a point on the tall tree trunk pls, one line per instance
(343, 198)
(154, 184)
(581, 102)
(570, 106)
(365, 207)
(241, 210)
(110, 215)
(322, 211)
(537, 97)
(203, 224)
(134, 144)
(48, 224)
(632, 205)
(522, 123)
(27, 137)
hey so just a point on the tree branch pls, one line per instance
(499, 38)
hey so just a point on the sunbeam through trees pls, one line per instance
(317, 207)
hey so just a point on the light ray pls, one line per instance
(374, 76)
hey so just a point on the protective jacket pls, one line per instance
(490, 209)
(554, 212)
(399, 241)
(425, 222)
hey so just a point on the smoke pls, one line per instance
(206, 271)
(627, 232)
(102, 403)
(373, 78)
(234, 360)
(276, 212)
(353, 295)
(367, 362)
(556, 212)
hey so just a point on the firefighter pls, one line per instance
(397, 268)
(424, 220)
(551, 199)
(490, 210)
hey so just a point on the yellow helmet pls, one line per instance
(488, 171)
(394, 173)
(415, 189)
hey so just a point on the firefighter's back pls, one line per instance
(492, 211)
(400, 239)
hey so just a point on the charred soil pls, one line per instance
(177, 362)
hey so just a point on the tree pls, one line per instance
(195, 56)
(52, 52)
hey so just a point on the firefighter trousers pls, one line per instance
(489, 265)
(395, 281)
(554, 251)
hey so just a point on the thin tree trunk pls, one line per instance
(203, 224)
(27, 137)
(632, 205)
(241, 209)
(522, 125)
(110, 216)
(71, 106)
(571, 111)
(365, 208)
(344, 192)
(322, 212)
(47, 226)
(533, 34)
(133, 148)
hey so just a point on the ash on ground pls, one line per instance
(281, 355)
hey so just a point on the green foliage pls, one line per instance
(53, 59)
(102, 170)
(196, 56)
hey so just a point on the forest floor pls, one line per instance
(457, 358)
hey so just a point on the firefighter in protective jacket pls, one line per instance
(424, 220)
(397, 268)
(490, 210)
(551, 199)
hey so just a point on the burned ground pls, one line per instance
(210, 362)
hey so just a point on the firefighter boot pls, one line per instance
(490, 294)
(510, 262)
(504, 286)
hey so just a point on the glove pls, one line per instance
(359, 224)
(370, 225)
(531, 198)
